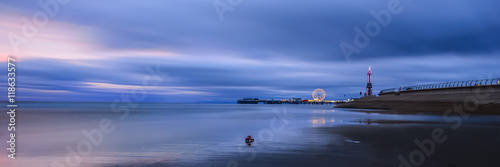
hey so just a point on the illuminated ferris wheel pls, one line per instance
(318, 95)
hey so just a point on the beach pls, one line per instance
(156, 134)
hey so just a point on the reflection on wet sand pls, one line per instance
(375, 122)
(212, 135)
(318, 122)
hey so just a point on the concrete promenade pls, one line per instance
(472, 99)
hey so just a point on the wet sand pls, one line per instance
(470, 145)
(213, 135)
(374, 145)
(381, 145)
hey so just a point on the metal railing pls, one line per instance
(388, 90)
(494, 81)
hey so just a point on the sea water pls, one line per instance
(72, 134)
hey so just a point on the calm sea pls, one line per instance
(180, 134)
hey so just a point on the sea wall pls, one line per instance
(478, 99)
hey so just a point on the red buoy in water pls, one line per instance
(249, 140)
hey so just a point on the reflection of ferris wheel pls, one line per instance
(319, 95)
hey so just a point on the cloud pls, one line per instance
(265, 49)
(162, 90)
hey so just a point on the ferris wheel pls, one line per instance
(318, 95)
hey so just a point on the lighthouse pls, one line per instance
(369, 84)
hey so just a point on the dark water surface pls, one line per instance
(213, 135)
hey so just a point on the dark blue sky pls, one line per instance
(100, 50)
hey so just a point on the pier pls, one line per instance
(289, 101)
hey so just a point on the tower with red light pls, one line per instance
(369, 84)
